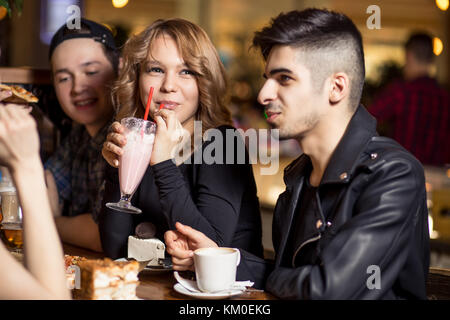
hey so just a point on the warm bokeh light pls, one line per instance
(433, 233)
(438, 46)
(442, 4)
(3, 12)
(119, 3)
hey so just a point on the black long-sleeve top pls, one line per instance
(217, 199)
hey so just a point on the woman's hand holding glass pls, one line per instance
(169, 135)
(115, 141)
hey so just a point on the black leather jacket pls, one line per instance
(377, 218)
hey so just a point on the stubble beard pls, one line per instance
(298, 130)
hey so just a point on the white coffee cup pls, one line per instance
(215, 268)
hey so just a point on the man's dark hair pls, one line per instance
(93, 30)
(330, 42)
(421, 46)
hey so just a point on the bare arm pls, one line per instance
(40, 231)
(80, 230)
(52, 191)
(44, 276)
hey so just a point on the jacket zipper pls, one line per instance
(302, 245)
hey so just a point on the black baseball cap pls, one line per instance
(95, 31)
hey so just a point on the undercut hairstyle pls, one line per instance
(328, 42)
(421, 46)
(200, 56)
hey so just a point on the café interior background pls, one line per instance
(24, 42)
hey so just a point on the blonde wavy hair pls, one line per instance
(200, 56)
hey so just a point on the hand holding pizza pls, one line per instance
(16, 96)
(4, 94)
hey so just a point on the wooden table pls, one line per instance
(438, 284)
(158, 285)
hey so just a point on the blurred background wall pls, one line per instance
(230, 23)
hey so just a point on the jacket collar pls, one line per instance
(361, 128)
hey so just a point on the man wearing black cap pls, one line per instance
(84, 64)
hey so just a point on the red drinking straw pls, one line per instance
(149, 101)
(147, 109)
(161, 106)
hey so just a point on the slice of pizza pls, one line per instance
(19, 95)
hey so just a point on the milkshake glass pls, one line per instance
(133, 163)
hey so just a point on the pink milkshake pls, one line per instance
(140, 135)
(135, 160)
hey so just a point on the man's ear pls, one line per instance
(340, 87)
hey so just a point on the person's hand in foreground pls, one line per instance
(181, 244)
(19, 141)
(4, 94)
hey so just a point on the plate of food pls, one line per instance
(101, 279)
(149, 252)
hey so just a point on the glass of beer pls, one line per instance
(12, 239)
(11, 223)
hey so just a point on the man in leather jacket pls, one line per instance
(353, 221)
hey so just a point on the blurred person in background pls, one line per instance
(84, 64)
(415, 110)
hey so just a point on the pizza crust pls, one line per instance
(19, 95)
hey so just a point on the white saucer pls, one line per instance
(209, 296)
